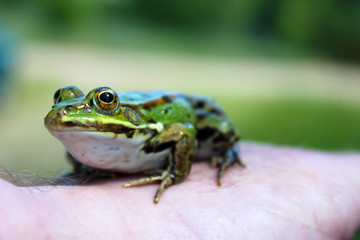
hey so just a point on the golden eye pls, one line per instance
(106, 99)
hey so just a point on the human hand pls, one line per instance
(284, 193)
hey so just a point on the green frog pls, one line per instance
(157, 132)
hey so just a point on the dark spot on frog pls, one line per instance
(72, 123)
(205, 133)
(83, 154)
(166, 110)
(130, 134)
(188, 115)
(150, 120)
(159, 147)
(201, 116)
(156, 102)
(226, 137)
(141, 131)
(216, 111)
(199, 104)
(146, 108)
(167, 99)
(68, 106)
(221, 138)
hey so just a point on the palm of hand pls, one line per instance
(282, 194)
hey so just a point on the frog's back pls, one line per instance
(142, 97)
(165, 107)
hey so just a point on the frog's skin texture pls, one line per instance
(159, 132)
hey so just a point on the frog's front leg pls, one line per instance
(180, 138)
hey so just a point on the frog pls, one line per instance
(159, 133)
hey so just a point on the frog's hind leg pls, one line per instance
(225, 160)
(217, 137)
(180, 138)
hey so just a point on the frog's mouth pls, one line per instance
(59, 121)
(57, 124)
(94, 126)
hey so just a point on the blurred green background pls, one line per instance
(286, 72)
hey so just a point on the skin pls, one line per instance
(290, 192)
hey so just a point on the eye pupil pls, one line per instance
(106, 97)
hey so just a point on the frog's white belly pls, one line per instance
(105, 151)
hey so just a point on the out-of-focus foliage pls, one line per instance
(328, 27)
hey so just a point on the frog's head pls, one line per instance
(100, 110)
(97, 129)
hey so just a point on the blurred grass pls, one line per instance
(319, 124)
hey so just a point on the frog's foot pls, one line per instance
(224, 161)
(166, 180)
(180, 139)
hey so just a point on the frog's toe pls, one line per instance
(165, 178)
(228, 158)
(142, 181)
(166, 182)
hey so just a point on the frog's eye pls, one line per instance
(106, 99)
